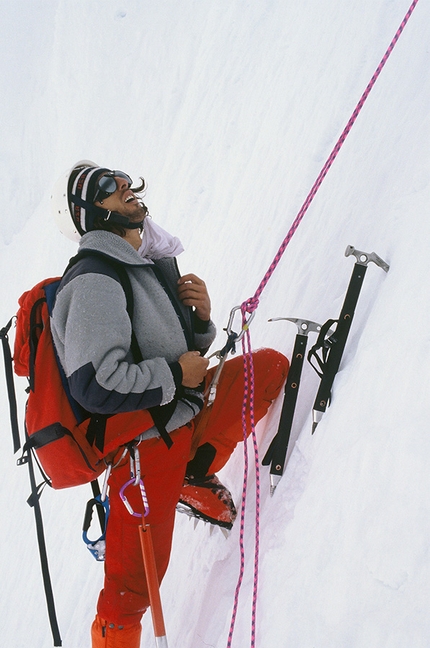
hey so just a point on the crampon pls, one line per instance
(208, 500)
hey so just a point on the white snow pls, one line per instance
(229, 109)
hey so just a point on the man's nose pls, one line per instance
(121, 183)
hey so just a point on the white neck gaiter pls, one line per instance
(157, 243)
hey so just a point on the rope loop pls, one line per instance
(250, 305)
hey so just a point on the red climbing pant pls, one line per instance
(224, 424)
(124, 597)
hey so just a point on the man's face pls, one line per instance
(124, 202)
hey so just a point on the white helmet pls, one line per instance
(71, 218)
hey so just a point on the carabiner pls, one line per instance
(223, 353)
(134, 464)
(143, 494)
(245, 325)
(96, 547)
(105, 482)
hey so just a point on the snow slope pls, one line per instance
(230, 109)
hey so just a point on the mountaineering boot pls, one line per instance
(205, 498)
(109, 635)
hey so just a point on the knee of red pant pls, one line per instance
(275, 359)
(272, 365)
(120, 606)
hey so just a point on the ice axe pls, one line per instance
(278, 448)
(328, 350)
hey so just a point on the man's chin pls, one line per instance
(138, 214)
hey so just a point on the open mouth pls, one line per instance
(130, 198)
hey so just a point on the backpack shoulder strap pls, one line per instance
(124, 279)
(10, 385)
(121, 271)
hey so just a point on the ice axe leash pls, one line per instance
(329, 347)
(275, 455)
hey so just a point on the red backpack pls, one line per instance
(54, 425)
(70, 443)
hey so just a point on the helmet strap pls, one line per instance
(123, 221)
(107, 215)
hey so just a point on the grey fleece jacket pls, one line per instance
(91, 329)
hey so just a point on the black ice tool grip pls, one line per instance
(278, 448)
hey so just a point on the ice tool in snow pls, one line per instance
(275, 456)
(329, 347)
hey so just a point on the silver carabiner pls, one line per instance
(135, 465)
(223, 353)
(245, 326)
(105, 482)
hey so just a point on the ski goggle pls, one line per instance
(106, 184)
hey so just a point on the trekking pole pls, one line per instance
(148, 554)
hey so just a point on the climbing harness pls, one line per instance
(249, 307)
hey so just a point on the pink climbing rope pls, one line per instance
(248, 397)
(252, 303)
(248, 307)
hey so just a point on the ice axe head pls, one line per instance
(364, 258)
(304, 326)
